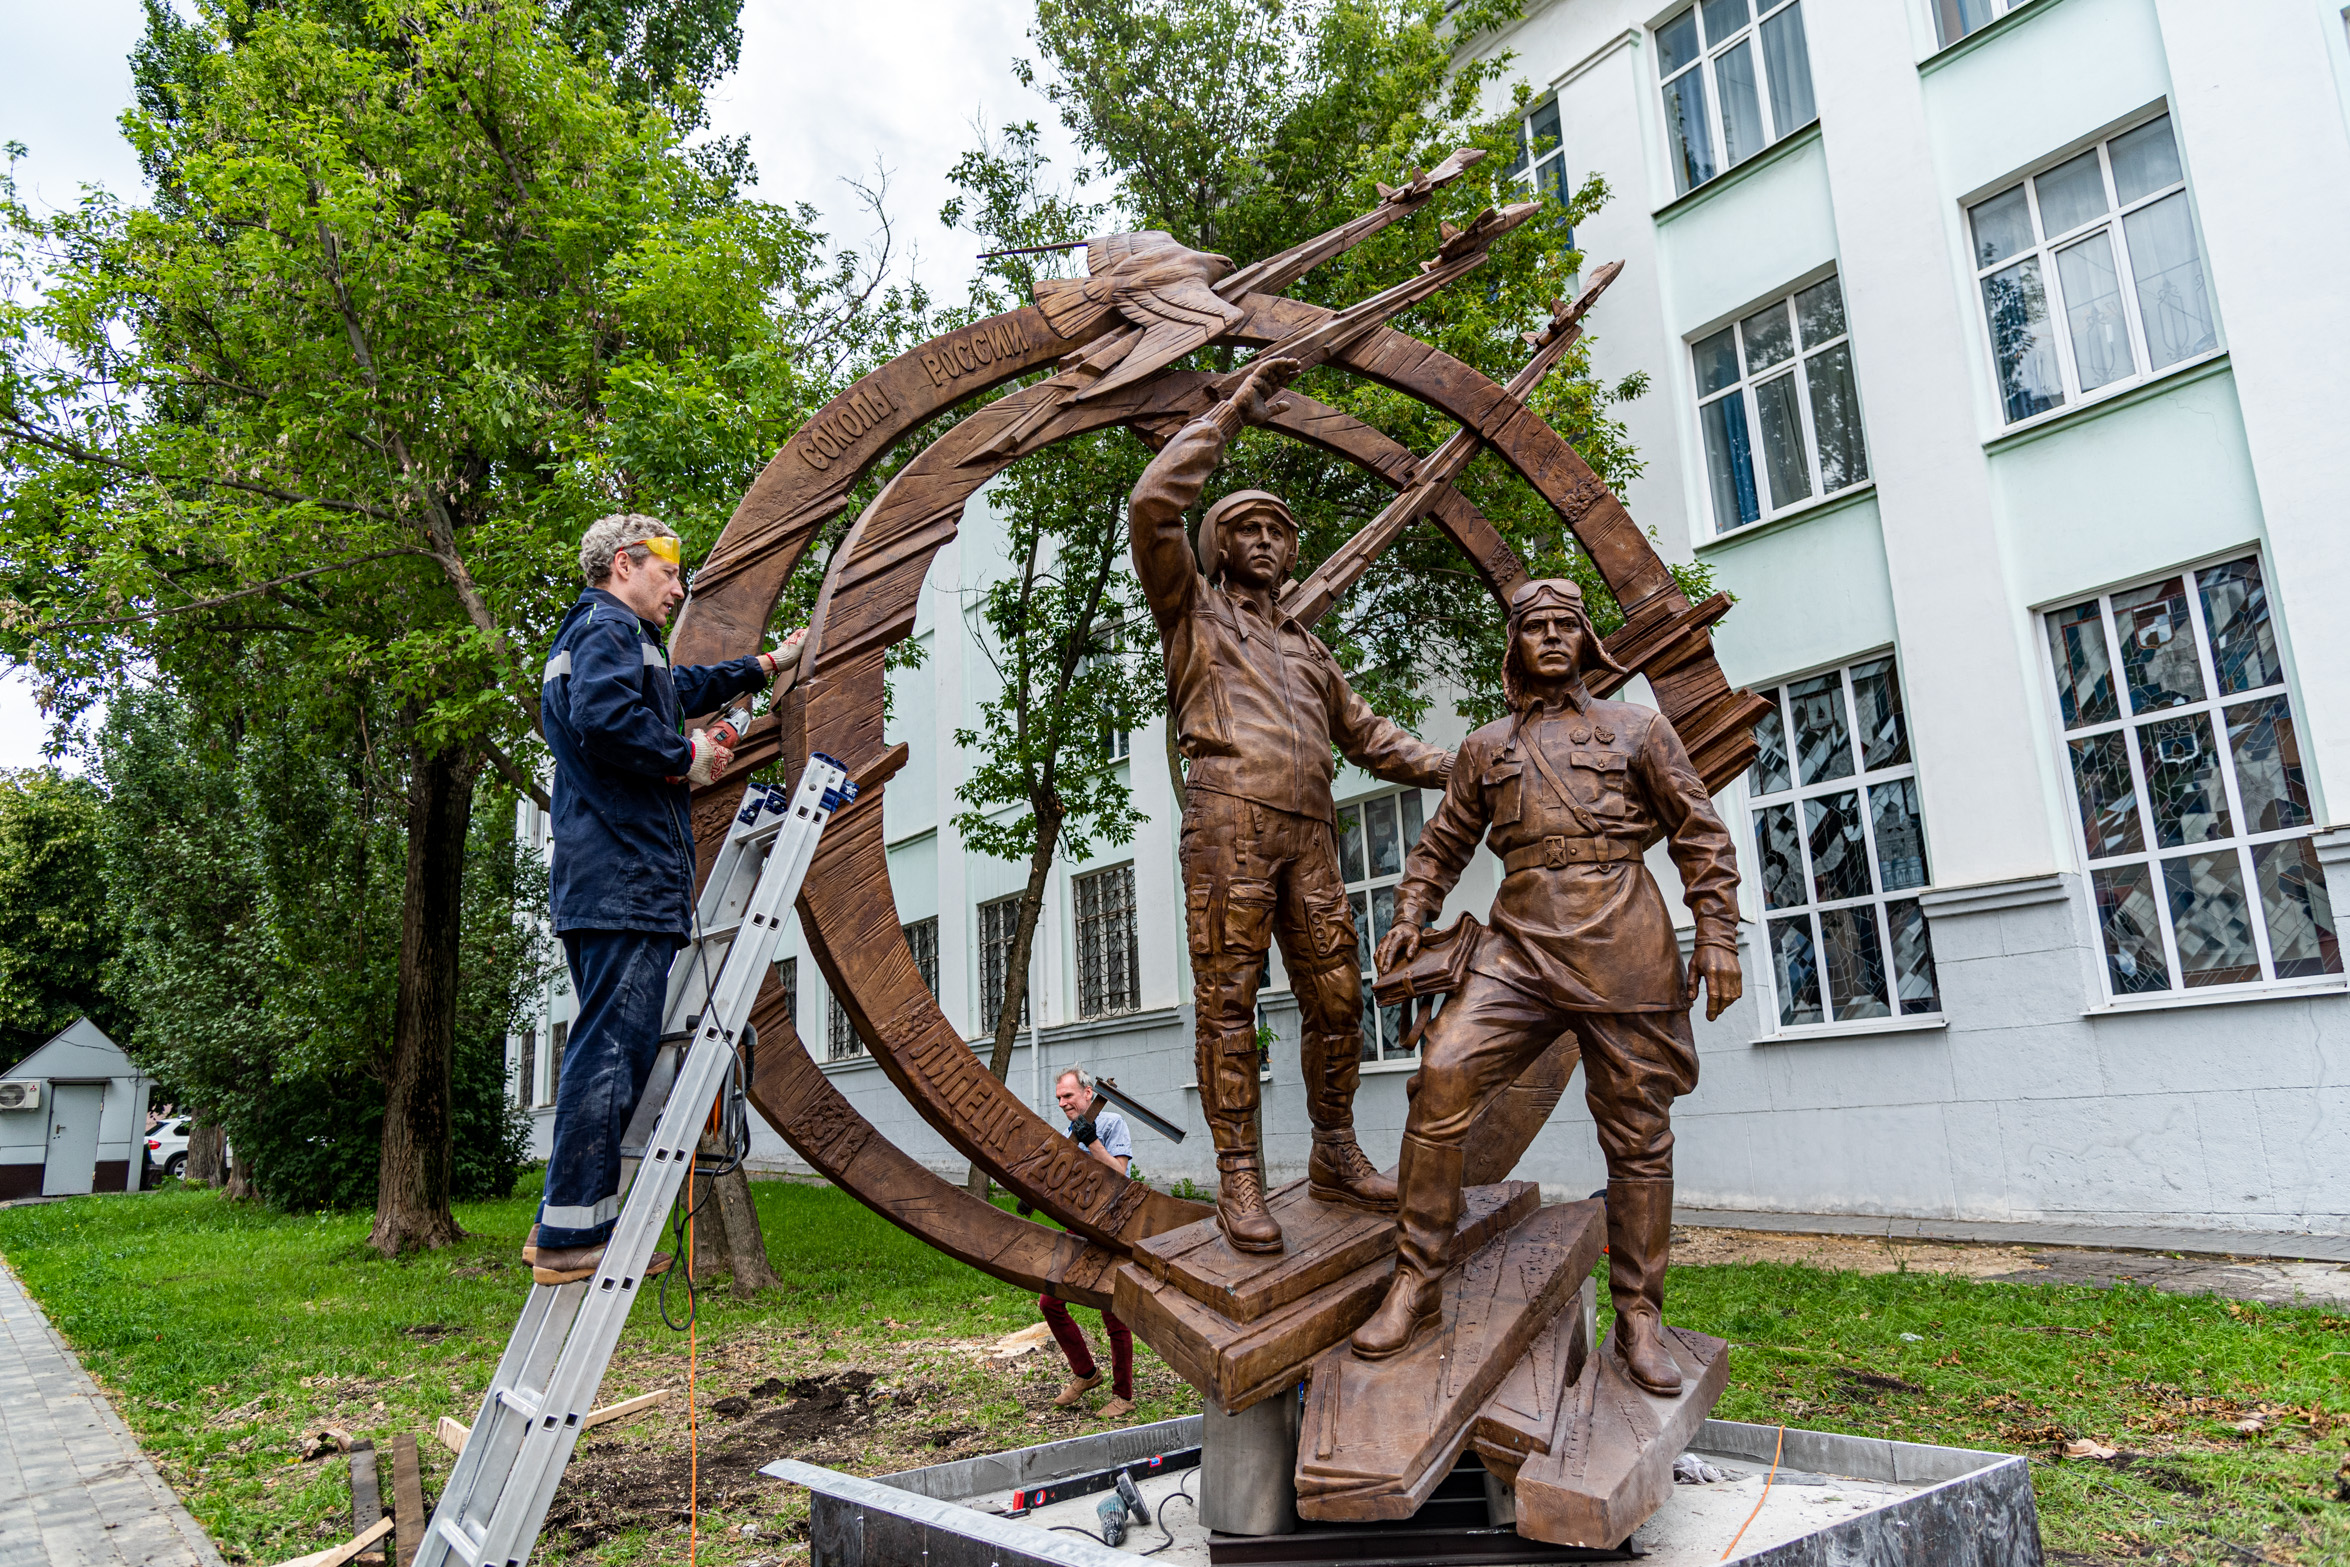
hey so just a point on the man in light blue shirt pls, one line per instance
(1101, 1132)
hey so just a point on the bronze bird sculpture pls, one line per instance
(1154, 283)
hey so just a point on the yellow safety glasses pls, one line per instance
(664, 547)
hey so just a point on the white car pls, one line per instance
(167, 1146)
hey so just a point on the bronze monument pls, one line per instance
(1258, 702)
(1508, 1367)
(1568, 790)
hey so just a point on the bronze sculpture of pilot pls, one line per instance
(1258, 702)
(1568, 790)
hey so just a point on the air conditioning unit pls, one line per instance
(22, 1095)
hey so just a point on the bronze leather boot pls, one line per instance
(1428, 1180)
(1240, 1204)
(1341, 1172)
(1639, 1238)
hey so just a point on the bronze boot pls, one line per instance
(1428, 1179)
(1639, 1238)
(1331, 1062)
(1240, 1204)
(1341, 1172)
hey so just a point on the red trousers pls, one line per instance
(1073, 1345)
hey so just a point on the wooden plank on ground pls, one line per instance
(345, 1551)
(367, 1505)
(452, 1433)
(626, 1407)
(407, 1500)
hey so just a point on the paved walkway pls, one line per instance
(2102, 1237)
(74, 1487)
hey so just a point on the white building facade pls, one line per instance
(1990, 345)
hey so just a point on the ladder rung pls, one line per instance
(520, 1402)
(462, 1540)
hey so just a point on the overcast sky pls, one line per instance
(824, 93)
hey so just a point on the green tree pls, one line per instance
(54, 934)
(1245, 126)
(252, 858)
(421, 293)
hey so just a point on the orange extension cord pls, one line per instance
(694, 1434)
(1776, 1450)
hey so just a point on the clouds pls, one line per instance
(824, 91)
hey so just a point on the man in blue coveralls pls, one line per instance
(623, 873)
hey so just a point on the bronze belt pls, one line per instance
(1556, 853)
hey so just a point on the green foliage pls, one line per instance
(1244, 126)
(254, 862)
(54, 940)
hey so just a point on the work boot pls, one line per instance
(570, 1264)
(1341, 1172)
(1073, 1392)
(1117, 1409)
(530, 1246)
(1240, 1205)
(1428, 1179)
(1639, 1238)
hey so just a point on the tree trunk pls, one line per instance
(412, 1182)
(709, 1226)
(207, 1155)
(746, 1244)
(240, 1180)
(1007, 1023)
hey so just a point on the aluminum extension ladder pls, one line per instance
(495, 1503)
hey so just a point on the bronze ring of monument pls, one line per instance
(833, 703)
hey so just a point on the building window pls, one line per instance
(557, 1038)
(1541, 161)
(1117, 744)
(1734, 83)
(1954, 19)
(526, 1076)
(2091, 273)
(922, 942)
(1374, 835)
(1840, 840)
(998, 923)
(2193, 802)
(787, 974)
(841, 1041)
(1778, 407)
(1108, 953)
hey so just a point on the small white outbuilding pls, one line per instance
(73, 1116)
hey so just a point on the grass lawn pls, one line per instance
(225, 1334)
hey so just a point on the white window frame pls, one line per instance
(1083, 889)
(1944, 12)
(2151, 853)
(1543, 170)
(1382, 1026)
(1796, 364)
(1709, 55)
(2044, 251)
(1860, 781)
(987, 1014)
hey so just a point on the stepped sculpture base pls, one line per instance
(1378, 1436)
(1609, 1463)
(1301, 1306)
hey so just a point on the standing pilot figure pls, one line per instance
(1258, 702)
(1568, 791)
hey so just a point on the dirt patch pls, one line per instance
(822, 1407)
(1693, 1247)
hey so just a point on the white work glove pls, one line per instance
(710, 759)
(1689, 1469)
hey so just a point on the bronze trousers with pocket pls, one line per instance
(1253, 875)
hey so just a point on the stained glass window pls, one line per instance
(2193, 804)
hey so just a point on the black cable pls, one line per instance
(1070, 1528)
(1160, 1515)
